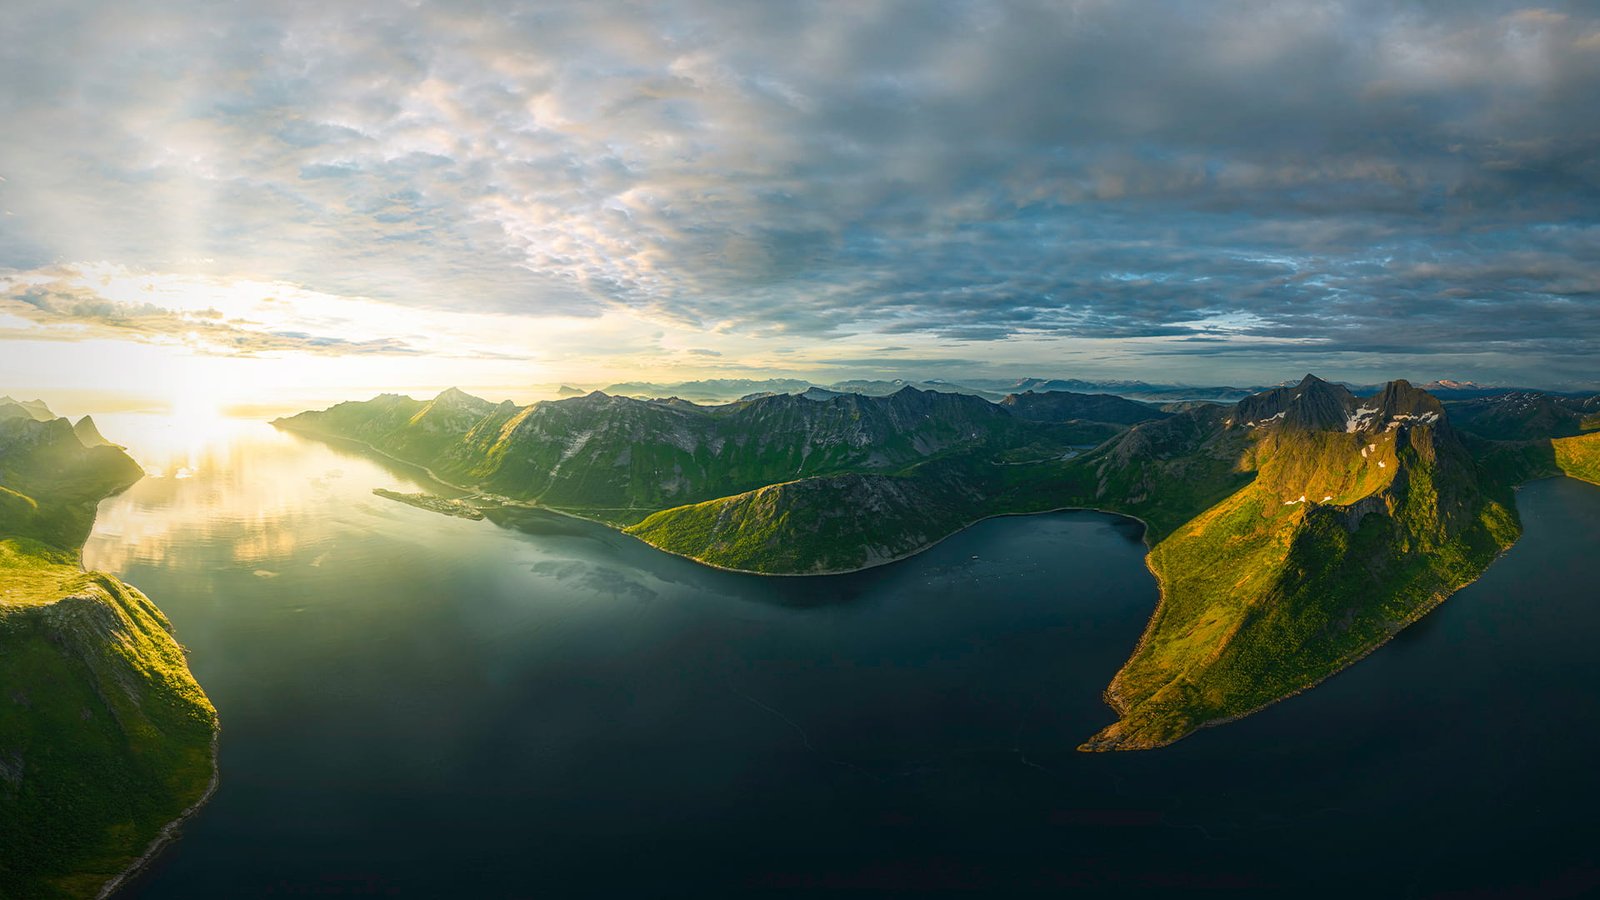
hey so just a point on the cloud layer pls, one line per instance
(1317, 177)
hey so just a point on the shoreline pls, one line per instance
(523, 504)
(169, 832)
(908, 554)
(465, 489)
(1435, 601)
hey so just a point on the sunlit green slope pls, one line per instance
(105, 737)
(833, 523)
(1342, 538)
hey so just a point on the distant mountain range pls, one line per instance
(1292, 531)
(723, 390)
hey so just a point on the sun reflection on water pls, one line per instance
(219, 480)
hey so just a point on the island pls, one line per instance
(1291, 532)
(106, 740)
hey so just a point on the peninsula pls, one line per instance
(432, 503)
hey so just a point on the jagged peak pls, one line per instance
(818, 394)
(1400, 397)
(457, 399)
(88, 434)
(1311, 405)
(33, 409)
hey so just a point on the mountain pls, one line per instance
(25, 409)
(619, 459)
(567, 390)
(88, 434)
(715, 390)
(105, 738)
(1360, 517)
(1133, 390)
(722, 390)
(1291, 532)
(1066, 406)
(1526, 415)
(879, 388)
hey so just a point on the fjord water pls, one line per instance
(415, 705)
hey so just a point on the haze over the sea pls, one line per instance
(207, 203)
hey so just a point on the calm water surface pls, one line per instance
(421, 706)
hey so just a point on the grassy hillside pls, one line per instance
(104, 735)
(1579, 456)
(1264, 596)
(827, 524)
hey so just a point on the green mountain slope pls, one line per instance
(105, 737)
(1066, 406)
(1342, 539)
(1579, 456)
(813, 525)
(618, 459)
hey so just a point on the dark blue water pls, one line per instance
(419, 706)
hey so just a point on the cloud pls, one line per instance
(1336, 177)
(69, 312)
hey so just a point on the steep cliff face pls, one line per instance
(105, 737)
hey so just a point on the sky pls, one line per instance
(217, 202)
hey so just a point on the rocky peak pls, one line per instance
(1311, 405)
(88, 434)
(1399, 398)
(456, 402)
(25, 409)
